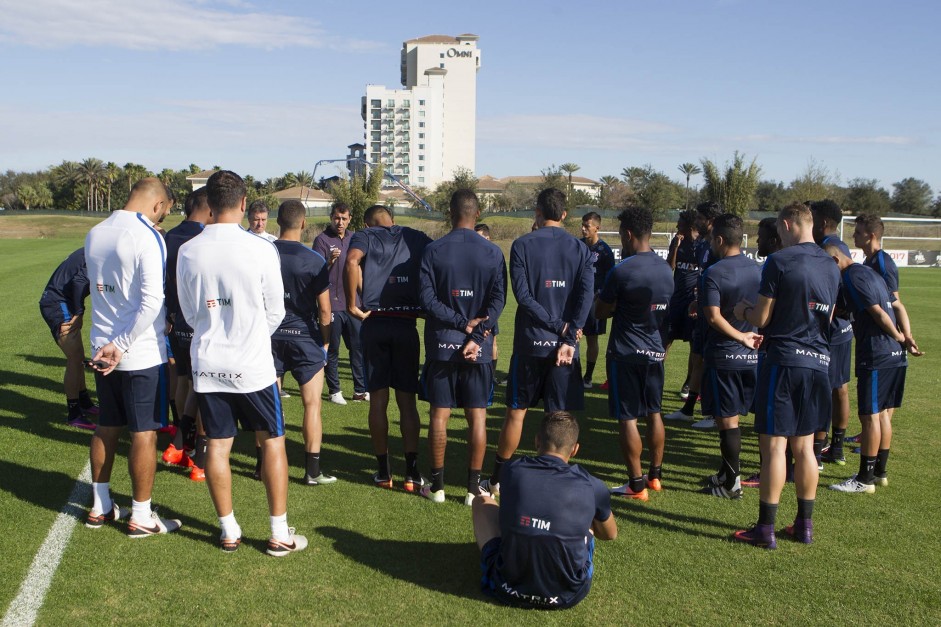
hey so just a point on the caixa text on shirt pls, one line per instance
(217, 375)
(824, 359)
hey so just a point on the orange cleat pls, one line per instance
(654, 484)
(197, 473)
(625, 491)
(173, 455)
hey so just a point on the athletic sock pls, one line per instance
(437, 479)
(101, 497)
(411, 466)
(882, 458)
(867, 467)
(384, 471)
(655, 472)
(75, 409)
(187, 424)
(730, 444)
(230, 528)
(279, 528)
(589, 370)
(767, 513)
(188, 427)
(313, 464)
(689, 407)
(176, 417)
(473, 480)
(818, 447)
(636, 484)
(85, 400)
(497, 467)
(836, 443)
(805, 508)
(140, 511)
(202, 443)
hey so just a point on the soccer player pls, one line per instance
(795, 304)
(298, 345)
(230, 291)
(125, 259)
(383, 263)
(463, 291)
(62, 305)
(706, 213)
(334, 244)
(537, 548)
(729, 348)
(258, 220)
(637, 294)
(682, 259)
(880, 368)
(552, 280)
(196, 209)
(484, 231)
(602, 259)
(827, 219)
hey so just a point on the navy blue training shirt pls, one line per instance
(723, 285)
(176, 237)
(804, 282)
(686, 274)
(553, 282)
(68, 286)
(546, 509)
(602, 260)
(882, 262)
(841, 331)
(306, 276)
(875, 350)
(463, 276)
(390, 268)
(640, 287)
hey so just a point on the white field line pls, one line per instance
(24, 608)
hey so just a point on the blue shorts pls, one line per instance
(792, 401)
(841, 355)
(595, 327)
(880, 389)
(453, 384)
(727, 393)
(55, 315)
(390, 353)
(680, 324)
(532, 379)
(222, 412)
(697, 338)
(635, 390)
(136, 399)
(180, 341)
(301, 355)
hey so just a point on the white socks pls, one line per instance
(230, 528)
(140, 511)
(279, 528)
(101, 498)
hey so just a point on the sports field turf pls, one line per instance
(379, 557)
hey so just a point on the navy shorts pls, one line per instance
(880, 389)
(222, 412)
(136, 399)
(727, 393)
(792, 401)
(301, 355)
(55, 315)
(180, 342)
(390, 353)
(454, 384)
(696, 340)
(841, 355)
(635, 390)
(593, 326)
(532, 379)
(681, 325)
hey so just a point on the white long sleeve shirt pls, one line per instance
(231, 293)
(126, 261)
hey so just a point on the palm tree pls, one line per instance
(27, 195)
(111, 173)
(134, 172)
(569, 168)
(91, 171)
(288, 180)
(607, 182)
(689, 169)
(304, 178)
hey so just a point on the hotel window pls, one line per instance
(375, 103)
(421, 157)
(421, 114)
(375, 125)
(421, 168)
(376, 136)
(421, 146)
(421, 125)
(421, 103)
(441, 65)
(406, 103)
(421, 136)
(421, 179)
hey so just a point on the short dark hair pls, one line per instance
(769, 225)
(796, 212)
(339, 207)
(373, 211)
(291, 214)
(225, 190)
(482, 228)
(464, 204)
(551, 204)
(592, 216)
(827, 209)
(194, 201)
(257, 206)
(558, 432)
(729, 227)
(170, 195)
(871, 223)
(710, 209)
(637, 220)
(687, 217)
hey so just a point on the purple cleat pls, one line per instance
(82, 422)
(801, 531)
(761, 536)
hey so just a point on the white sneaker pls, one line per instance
(155, 526)
(277, 548)
(469, 497)
(493, 489)
(338, 398)
(678, 415)
(285, 394)
(853, 486)
(705, 423)
(436, 496)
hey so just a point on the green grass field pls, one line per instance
(392, 558)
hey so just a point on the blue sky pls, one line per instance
(270, 87)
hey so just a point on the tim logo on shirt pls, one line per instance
(462, 293)
(535, 523)
(821, 307)
(551, 283)
(212, 303)
(103, 288)
(397, 279)
(658, 307)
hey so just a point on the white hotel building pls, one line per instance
(425, 131)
